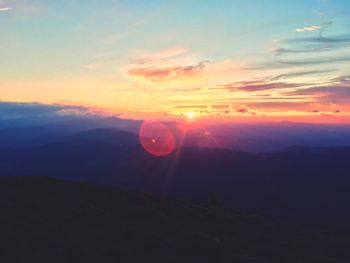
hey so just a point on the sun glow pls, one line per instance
(190, 115)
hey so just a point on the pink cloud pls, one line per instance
(166, 73)
(251, 86)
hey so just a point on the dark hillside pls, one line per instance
(47, 220)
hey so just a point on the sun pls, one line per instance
(190, 115)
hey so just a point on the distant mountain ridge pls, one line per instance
(288, 184)
(251, 138)
(315, 149)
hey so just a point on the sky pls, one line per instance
(216, 59)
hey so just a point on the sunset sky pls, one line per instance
(226, 60)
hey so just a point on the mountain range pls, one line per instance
(309, 184)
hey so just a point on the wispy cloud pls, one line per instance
(163, 54)
(301, 62)
(251, 86)
(5, 9)
(308, 51)
(308, 29)
(300, 74)
(28, 7)
(279, 105)
(321, 39)
(312, 61)
(311, 49)
(327, 93)
(154, 73)
(345, 79)
(336, 92)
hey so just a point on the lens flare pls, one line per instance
(156, 138)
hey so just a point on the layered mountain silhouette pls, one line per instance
(297, 184)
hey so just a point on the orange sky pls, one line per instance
(166, 61)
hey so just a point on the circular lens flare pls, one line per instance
(156, 138)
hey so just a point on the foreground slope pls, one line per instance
(48, 220)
